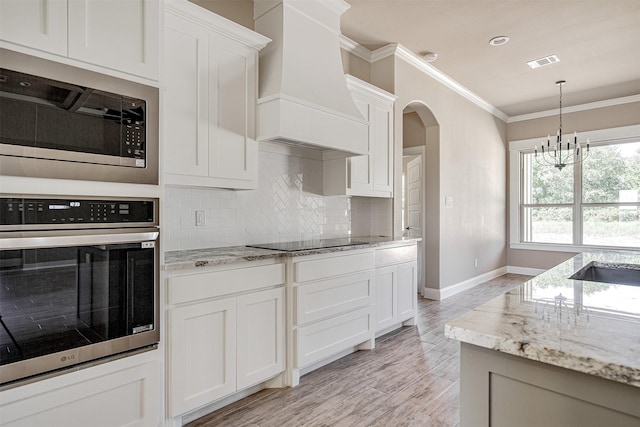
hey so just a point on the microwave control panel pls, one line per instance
(18, 211)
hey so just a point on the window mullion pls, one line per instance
(577, 204)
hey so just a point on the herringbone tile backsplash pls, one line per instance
(286, 207)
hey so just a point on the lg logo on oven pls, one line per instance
(69, 358)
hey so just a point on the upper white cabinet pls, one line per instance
(38, 24)
(118, 35)
(210, 79)
(369, 175)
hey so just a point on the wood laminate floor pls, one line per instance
(410, 379)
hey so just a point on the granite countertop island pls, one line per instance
(185, 259)
(585, 326)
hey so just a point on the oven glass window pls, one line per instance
(57, 299)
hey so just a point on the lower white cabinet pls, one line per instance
(396, 294)
(332, 304)
(226, 333)
(202, 353)
(124, 392)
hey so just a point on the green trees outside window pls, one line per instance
(596, 202)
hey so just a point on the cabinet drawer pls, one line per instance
(322, 268)
(224, 282)
(317, 300)
(397, 255)
(328, 337)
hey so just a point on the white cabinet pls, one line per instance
(202, 353)
(38, 24)
(332, 307)
(369, 175)
(124, 392)
(396, 287)
(226, 332)
(117, 35)
(210, 80)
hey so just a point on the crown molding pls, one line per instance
(354, 48)
(405, 54)
(576, 108)
(396, 49)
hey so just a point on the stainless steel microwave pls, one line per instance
(58, 121)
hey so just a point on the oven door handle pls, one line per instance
(33, 240)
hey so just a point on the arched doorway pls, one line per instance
(421, 189)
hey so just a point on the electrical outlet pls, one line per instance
(475, 263)
(201, 218)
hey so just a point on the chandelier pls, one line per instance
(561, 154)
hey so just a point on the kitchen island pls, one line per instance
(555, 351)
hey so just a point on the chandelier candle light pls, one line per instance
(560, 154)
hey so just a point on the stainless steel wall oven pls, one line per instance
(58, 121)
(78, 283)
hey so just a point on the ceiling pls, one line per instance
(597, 42)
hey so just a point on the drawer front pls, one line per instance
(396, 255)
(343, 263)
(212, 284)
(317, 300)
(325, 338)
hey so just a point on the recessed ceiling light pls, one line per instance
(499, 40)
(541, 62)
(430, 56)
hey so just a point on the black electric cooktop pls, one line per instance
(305, 245)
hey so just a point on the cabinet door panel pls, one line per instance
(232, 71)
(386, 298)
(39, 24)
(260, 336)
(324, 298)
(123, 35)
(202, 354)
(186, 106)
(322, 339)
(382, 149)
(407, 290)
(90, 401)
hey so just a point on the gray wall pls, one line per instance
(472, 170)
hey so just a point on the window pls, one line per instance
(594, 203)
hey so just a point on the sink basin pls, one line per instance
(619, 274)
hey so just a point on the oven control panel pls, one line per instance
(18, 211)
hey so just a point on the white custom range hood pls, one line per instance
(303, 97)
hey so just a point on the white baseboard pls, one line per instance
(440, 294)
(525, 270)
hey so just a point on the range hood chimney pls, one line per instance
(303, 98)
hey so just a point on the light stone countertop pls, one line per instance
(180, 260)
(596, 331)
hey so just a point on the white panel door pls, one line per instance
(260, 342)
(186, 115)
(122, 35)
(359, 178)
(382, 147)
(38, 24)
(202, 354)
(414, 197)
(232, 99)
(386, 298)
(407, 282)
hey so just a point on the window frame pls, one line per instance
(599, 137)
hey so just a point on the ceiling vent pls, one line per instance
(541, 62)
